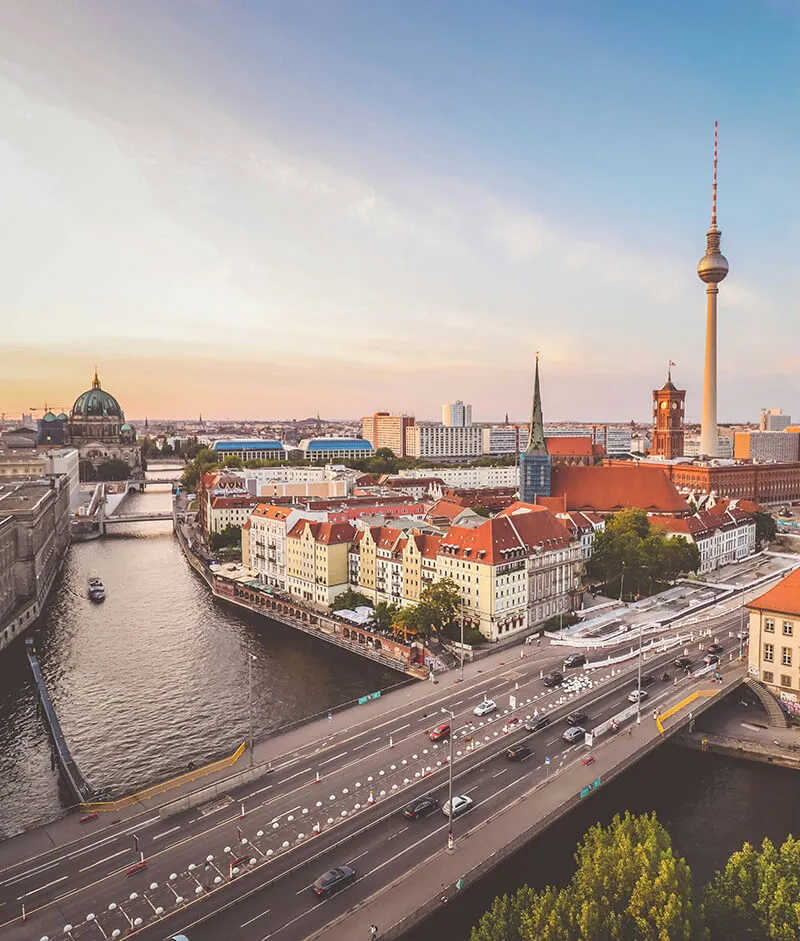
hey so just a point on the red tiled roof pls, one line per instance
(554, 504)
(701, 523)
(331, 534)
(609, 488)
(516, 532)
(445, 508)
(427, 544)
(269, 511)
(222, 503)
(784, 598)
(565, 446)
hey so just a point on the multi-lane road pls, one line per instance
(336, 801)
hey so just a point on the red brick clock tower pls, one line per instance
(668, 415)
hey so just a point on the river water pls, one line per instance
(155, 676)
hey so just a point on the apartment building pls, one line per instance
(457, 414)
(774, 652)
(269, 525)
(722, 535)
(316, 560)
(433, 442)
(386, 430)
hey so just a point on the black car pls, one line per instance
(647, 680)
(334, 879)
(554, 679)
(577, 718)
(714, 648)
(518, 752)
(710, 659)
(575, 660)
(534, 725)
(683, 662)
(420, 807)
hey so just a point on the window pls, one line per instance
(786, 680)
(769, 625)
(769, 652)
(786, 656)
(788, 628)
(768, 677)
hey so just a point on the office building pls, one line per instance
(766, 446)
(456, 414)
(435, 442)
(386, 430)
(773, 419)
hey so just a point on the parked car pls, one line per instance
(334, 879)
(461, 804)
(710, 658)
(441, 731)
(577, 718)
(638, 695)
(518, 752)
(683, 662)
(715, 648)
(575, 660)
(554, 679)
(420, 807)
(534, 725)
(485, 707)
(574, 733)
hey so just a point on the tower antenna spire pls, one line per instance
(714, 187)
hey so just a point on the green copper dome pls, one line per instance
(95, 403)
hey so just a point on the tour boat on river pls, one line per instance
(97, 590)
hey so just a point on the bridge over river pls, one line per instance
(235, 854)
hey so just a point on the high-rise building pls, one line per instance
(712, 269)
(668, 413)
(535, 462)
(773, 419)
(772, 446)
(457, 414)
(385, 430)
(443, 441)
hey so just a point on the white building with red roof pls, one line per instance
(722, 535)
(316, 560)
(269, 524)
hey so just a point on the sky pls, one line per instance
(274, 208)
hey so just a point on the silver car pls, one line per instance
(573, 733)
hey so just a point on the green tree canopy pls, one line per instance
(629, 886)
(636, 556)
(229, 537)
(385, 615)
(349, 600)
(113, 469)
(766, 527)
(756, 897)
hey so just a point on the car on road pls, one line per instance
(537, 723)
(333, 880)
(714, 648)
(485, 707)
(420, 807)
(441, 731)
(683, 662)
(554, 679)
(638, 695)
(575, 660)
(461, 804)
(573, 734)
(710, 659)
(647, 680)
(577, 718)
(518, 753)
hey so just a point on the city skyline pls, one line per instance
(344, 209)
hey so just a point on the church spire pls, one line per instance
(96, 380)
(536, 442)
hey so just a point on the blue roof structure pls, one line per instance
(338, 444)
(256, 444)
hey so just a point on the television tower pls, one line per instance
(712, 269)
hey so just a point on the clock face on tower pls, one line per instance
(674, 404)
(663, 405)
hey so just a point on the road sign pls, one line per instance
(547, 761)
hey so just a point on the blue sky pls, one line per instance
(279, 208)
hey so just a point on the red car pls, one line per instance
(440, 732)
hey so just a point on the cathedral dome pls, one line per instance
(95, 403)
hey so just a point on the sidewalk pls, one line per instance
(397, 907)
(318, 731)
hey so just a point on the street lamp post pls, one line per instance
(462, 640)
(250, 659)
(450, 840)
(639, 697)
(741, 632)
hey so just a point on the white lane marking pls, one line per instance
(101, 861)
(255, 918)
(166, 832)
(276, 819)
(351, 861)
(456, 703)
(295, 775)
(499, 773)
(304, 889)
(31, 872)
(364, 744)
(395, 731)
(335, 758)
(259, 791)
(108, 839)
(42, 888)
(555, 740)
(298, 917)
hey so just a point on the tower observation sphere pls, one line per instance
(713, 266)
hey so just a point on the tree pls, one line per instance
(628, 886)
(203, 462)
(766, 527)
(385, 615)
(113, 469)
(228, 538)
(350, 600)
(439, 602)
(755, 895)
